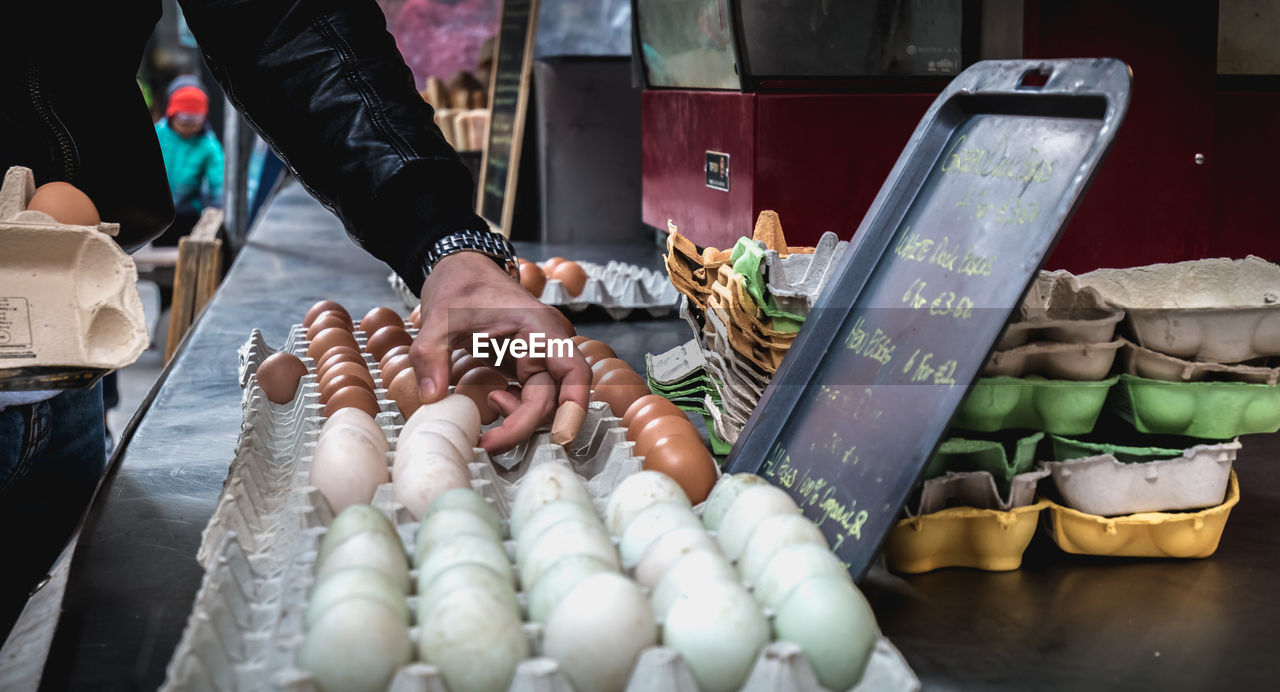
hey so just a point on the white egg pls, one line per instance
(695, 568)
(719, 631)
(791, 566)
(567, 538)
(356, 646)
(417, 485)
(371, 549)
(544, 484)
(469, 500)
(636, 492)
(748, 510)
(463, 550)
(771, 535)
(347, 468)
(723, 494)
(558, 580)
(454, 408)
(375, 434)
(668, 548)
(465, 575)
(829, 619)
(442, 527)
(547, 516)
(421, 445)
(648, 525)
(597, 646)
(351, 521)
(474, 637)
(462, 446)
(354, 582)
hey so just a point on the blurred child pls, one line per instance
(192, 159)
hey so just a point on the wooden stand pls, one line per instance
(196, 276)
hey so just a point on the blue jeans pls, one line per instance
(52, 455)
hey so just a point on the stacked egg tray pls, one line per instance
(618, 288)
(259, 551)
(745, 307)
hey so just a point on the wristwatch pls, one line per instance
(486, 243)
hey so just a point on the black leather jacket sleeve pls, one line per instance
(325, 86)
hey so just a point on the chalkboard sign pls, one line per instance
(950, 245)
(508, 102)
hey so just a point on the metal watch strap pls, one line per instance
(488, 243)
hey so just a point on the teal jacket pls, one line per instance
(194, 167)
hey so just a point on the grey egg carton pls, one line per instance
(1105, 486)
(796, 281)
(1055, 360)
(1144, 362)
(1058, 308)
(975, 489)
(617, 287)
(259, 550)
(1211, 310)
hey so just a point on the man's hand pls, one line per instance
(468, 293)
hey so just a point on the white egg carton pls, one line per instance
(1152, 365)
(975, 489)
(259, 551)
(617, 287)
(796, 281)
(1105, 486)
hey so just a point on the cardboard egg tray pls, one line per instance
(1211, 310)
(961, 454)
(1103, 485)
(1063, 407)
(69, 305)
(1144, 362)
(1058, 309)
(1208, 410)
(986, 539)
(1146, 534)
(260, 546)
(976, 489)
(618, 288)
(1055, 360)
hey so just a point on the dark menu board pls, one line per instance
(509, 100)
(950, 245)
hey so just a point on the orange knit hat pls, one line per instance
(188, 100)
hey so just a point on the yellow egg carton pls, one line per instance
(985, 539)
(1148, 534)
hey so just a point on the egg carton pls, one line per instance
(1105, 486)
(619, 288)
(1065, 449)
(1146, 534)
(1153, 365)
(1063, 407)
(1208, 410)
(1058, 309)
(1212, 310)
(975, 489)
(1056, 360)
(993, 456)
(986, 539)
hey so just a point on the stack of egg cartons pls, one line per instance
(745, 307)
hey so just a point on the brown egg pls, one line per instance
(606, 365)
(327, 319)
(378, 318)
(572, 275)
(404, 391)
(341, 382)
(532, 278)
(619, 389)
(395, 351)
(645, 409)
(345, 368)
(324, 306)
(551, 264)
(355, 396)
(463, 366)
(394, 366)
(568, 324)
(415, 317)
(476, 385)
(279, 375)
(579, 339)
(660, 427)
(386, 339)
(687, 461)
(65, 203)
(338, 354)
(599, 349)
(328, 338)
(458, 353)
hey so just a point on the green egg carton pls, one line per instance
(1061, 407)
(1065, 449)
(1207, 410)
(960, 454)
